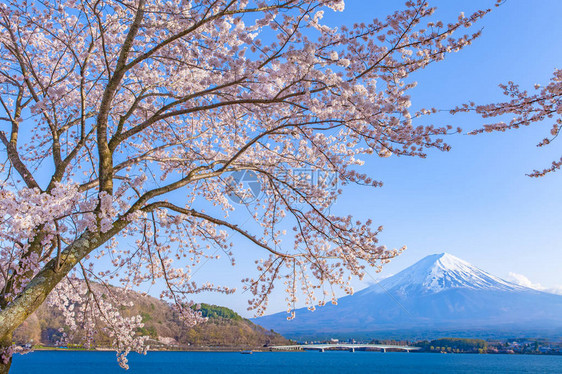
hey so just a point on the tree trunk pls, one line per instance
(37, 290)
(6, 353)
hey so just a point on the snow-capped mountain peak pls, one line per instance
(439, 272)
(439, 295)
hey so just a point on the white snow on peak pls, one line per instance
(439, 272)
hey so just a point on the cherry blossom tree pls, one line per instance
(123, 120)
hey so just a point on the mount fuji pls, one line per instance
(441, 295)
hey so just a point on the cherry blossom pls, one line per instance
(121, 122)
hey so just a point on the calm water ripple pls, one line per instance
(283, 362)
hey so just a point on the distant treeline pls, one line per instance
(455, 345)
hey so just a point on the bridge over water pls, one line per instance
(337, 346)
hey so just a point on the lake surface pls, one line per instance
(70, 362)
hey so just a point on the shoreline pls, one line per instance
(265, 349)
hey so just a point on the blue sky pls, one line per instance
(475, 201)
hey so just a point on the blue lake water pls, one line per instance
(283, 362)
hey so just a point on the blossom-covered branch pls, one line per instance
(526, 108)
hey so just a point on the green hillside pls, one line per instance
(224, 328)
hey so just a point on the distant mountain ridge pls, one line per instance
(440, 295)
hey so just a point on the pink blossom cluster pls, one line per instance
(88, 307)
